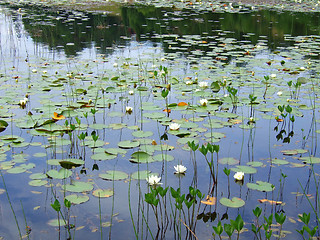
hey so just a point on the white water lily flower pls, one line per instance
(279, 93)
(273, 75)
(153, 180)
(131, 92)
(302, 68)
(203, 84)
(238, 176)
(189, 82)
(129, 109)
(115, 64)
(180, 169)
(174, 126)
(34, 70)
(23, 102)
(203, 102)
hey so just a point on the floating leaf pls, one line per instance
(57, 117)
(128, 144)
(229, 161)
(272, 202)
(61, 174)
(56, 222)
(113, 175)
(102, 193)
(77, 199)
(209, 200)
(163, 157)
(141, 175)
(244, 169)
(235, 202)
(38, 182)
(70, 163)
(310, 159)
(254, 164)
(78, 187)
(279, 161)
(142, 134)
(261, 186)
(141, 157)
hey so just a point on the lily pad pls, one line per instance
(228, 160)
(244, 169)
(140, 175)
(78, 187)
(70, 163)
(38, 182)
(141, 157)
(77, 199)
(310, 160)
(128, 144)
(61, 174)
(142, 134)
(261, 186)
(235, 202)
(163, 157)
(279, 161)
(113, 175)
(102, 193)
(56, 222)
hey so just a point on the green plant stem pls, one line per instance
(14, 215)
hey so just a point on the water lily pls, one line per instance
(115, 64)
(174, 126)
(279, 93)
(189, 82)
(203, 84)
(23, 102)
(180, 169)
(131, 92)
(273, 75)
(153, 180)
(238, 176)
(129, 109)
(203, 102)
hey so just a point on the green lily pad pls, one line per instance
(56, 222)
(16, 170)
(261, 186)
(311, 160)
(163, 157)
(235, 202)
(77, 199)
(61, 174)
(128, 144)
(113, 175)
(279, 161)
(141, 157)
(142, 134)
(115, 151)
(38, 182)
(244, 169)
(140, 175)
(102, 156)
(38, 176)
(71, 162)
(228, 160)
(78, 187)
(102, 193)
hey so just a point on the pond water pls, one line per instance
(241, 84)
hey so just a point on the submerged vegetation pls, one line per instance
(179, 123)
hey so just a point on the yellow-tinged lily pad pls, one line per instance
(103, 193)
